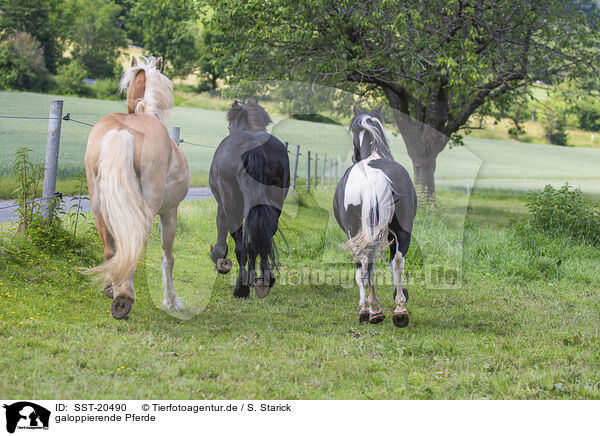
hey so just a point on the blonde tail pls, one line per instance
(118, 199)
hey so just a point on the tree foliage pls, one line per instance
(95, 35)
(166, 28)
(22, 63)
(40, 19)
(434, 62)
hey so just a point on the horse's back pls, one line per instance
(403, 190)
(159, 164)
(249, 168)
(231, 155)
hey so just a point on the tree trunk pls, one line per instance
(424, 169)
(423, 143)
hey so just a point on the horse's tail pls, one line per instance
(262, 219)
(118, 201)
(377, 211)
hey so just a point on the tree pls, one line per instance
(95, 35)
(211, 39)
(22, 63)
(166, 28)
(39, 19)
(435, 62)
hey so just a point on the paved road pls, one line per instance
(7, 207)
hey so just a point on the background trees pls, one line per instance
(167, 28)
(434, 62)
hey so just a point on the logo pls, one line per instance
(26, 415)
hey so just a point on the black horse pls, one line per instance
(249, 177)
(375, 204)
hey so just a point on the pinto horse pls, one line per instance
(134, 172)
(249, 177)
(375, 204)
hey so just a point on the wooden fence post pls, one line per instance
(323, 172)
(336, 175)
(51, 164)
(308, 171)
(329, 177)
(316, 170)
(295, 167)
(175, 134)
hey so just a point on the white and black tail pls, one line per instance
(119, 202)
(372, 189)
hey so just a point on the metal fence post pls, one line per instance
(295, 167)
(175, 134)
(51, 164)
(308, 171)
(329, 177)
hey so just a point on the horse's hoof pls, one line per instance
(404, 291)
(173, 305)
(400, 319)
(121, 306)
(261, 289)
(108, 291)
(241, 291)
(363, 316)
(224, 265)
(376, 318)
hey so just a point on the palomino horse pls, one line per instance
(135, 172)
(375, 204)
(249, 177)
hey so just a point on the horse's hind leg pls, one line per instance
(365, 277)
(266, 281)
(168, 224)
(363, 314)
(375, 313)
(219, 251)
(398, 248)
(109, 249)
(242, 288)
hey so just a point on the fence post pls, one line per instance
(316, 170)
(308, 171)
(175, 134)
(323, 173)
(51, 164)
(329, 177)
(336, 175)
(295, 167)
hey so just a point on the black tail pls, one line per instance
(262, 220)
(260, 228)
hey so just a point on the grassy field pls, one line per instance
(488, 164)
(519, 324)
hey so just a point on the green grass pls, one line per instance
(520, 326)
(491, 165)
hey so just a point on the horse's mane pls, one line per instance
(158, 94)
(249, 115)
(367, 126)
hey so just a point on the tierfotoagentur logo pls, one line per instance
(24, 415)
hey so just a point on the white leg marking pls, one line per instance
(361, 289)
(369, 276)
(397, 267)
(168, 223)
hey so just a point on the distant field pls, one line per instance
(492, 164)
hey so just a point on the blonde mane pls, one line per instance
(158, 94)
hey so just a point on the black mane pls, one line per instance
(248, 116)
